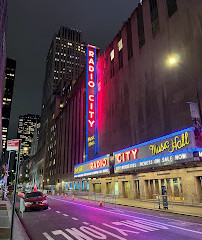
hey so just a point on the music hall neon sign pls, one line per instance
(91, 104)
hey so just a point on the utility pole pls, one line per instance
(15, 189)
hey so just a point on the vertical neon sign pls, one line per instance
(91, 104)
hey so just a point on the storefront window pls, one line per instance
(116, 188)
(176, 188)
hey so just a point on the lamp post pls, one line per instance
(173, 61)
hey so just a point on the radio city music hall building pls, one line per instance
(141, 135)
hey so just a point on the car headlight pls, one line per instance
(27, 203)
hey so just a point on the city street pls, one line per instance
(82, 220)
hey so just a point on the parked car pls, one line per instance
(35, 200)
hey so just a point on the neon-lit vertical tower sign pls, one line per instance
(91, 103)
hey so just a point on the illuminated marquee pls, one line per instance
(91, 104)
(170, 149)
(127, 156)
(96, 167)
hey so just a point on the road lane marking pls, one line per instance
(93, 233)
(76, 219)
(78, 234)
(107, 232)
(57, 211)
(49, 208)
(60, 232)
(47, 236)
(122, 214)
(150, 224)
(85, 223)
(136, 226)
(121, 231)
(65, 215)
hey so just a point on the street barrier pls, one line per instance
(162, 201)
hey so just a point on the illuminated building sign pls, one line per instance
(174, 148)
(96, 167)
(91, 104)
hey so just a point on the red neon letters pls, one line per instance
(127, 156)
(98, 164)
(91, 85)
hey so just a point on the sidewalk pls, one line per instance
(195, 211)
(188, 210)
(5, 222)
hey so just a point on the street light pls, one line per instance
(173, 61)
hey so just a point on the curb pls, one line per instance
(157, 210)
(161, 210)
(152, 209)
(18, 219)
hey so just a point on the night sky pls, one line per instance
(31, 25)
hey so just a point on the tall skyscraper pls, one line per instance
(26, 128)
(7, 98)
(65, 61)
(3, 17)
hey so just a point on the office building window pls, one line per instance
(112, 63)
(129, 39)
(154, 16)
(140, 23)
(172, 7)
(120, 54)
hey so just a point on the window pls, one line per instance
(120, 54)
(112, 63)
(140, 23)
(129, 39)
(154, 16)
(112, 55)
(172, 7)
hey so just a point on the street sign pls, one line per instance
(12, 145)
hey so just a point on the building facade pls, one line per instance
(26, 128)
(65, 61)
(65, 140)
(3, 23)
(7, 98)
(142, 96)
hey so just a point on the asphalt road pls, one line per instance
(77, 219)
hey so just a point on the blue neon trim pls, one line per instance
(96, 159)
(87, 107)
(156, 139)
(190, 150)
(198, 149)
(91, 171)
(96, 102)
